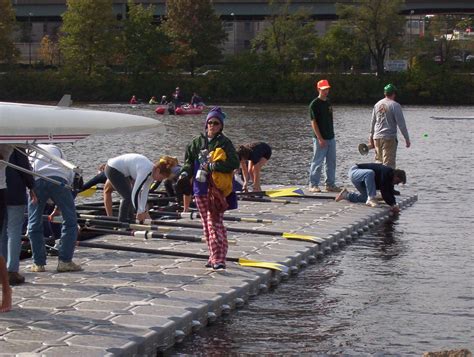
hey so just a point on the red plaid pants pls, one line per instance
(214, 231)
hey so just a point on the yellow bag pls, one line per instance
(222, 180)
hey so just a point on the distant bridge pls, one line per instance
(27, 10)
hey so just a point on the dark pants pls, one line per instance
(123, 187)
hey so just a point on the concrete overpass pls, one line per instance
(40, 10)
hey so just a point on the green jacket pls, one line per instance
(219, 141)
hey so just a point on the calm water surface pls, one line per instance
(404, 288)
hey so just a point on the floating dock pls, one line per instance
(137, 304)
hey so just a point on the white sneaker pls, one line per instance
(372, 202)
(68, 266)
(314, 189)
(343, 195)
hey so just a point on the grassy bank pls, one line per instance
(435, 86)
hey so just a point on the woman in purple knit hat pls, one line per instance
(211, 155)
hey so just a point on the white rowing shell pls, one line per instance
(30, 123)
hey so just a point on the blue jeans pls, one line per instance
(364, 182)
(11, 236)
(63, 198)
(319, 154)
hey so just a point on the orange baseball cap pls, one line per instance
(323, 84)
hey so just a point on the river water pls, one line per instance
(404, 288)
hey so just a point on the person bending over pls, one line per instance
(252, 158)
(367, 179)
(121, 169)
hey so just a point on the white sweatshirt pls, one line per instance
(139, 168)
(46, 167)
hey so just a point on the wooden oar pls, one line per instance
(285, 192)
(269, 200)
(146, 234)
(286, 235)
(136, 230)
(241, 261)
(195, 214)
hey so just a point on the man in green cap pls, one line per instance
(386, 116)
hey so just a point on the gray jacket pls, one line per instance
(387, 114)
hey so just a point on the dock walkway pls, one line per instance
(137, 304)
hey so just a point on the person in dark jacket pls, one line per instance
(196, 100)
(212, 154)
(6, 302)
(368, 178)
(16, 200)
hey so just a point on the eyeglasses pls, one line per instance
(213, 122)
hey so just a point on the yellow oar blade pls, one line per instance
(285, 192)
(304, 237)
(258, 264)
(255, 220)
(89, 192)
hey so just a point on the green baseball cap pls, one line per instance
(389, 89)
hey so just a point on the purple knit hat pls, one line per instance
(217, 113)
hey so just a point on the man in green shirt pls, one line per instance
(324, 143)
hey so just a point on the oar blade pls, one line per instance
(89, 192)
(265, 265)
(304, 237)
(285, 192)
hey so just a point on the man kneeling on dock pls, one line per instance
(367, 179)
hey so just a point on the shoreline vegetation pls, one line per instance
(144, 56)
(434, 86)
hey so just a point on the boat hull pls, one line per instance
(30, 123)
(184, 111)
(161, 109)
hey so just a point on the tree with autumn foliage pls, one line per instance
(196, 32)
(8, 51)
(49, 51)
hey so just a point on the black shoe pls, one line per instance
(15, 278)
(396, 193)
(218, 267)
(208, 265)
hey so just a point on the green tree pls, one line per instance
(8, 51)
(88, 35)
(339, 49)
(377, 23)
(145, 44)
(287, 38)
(195, 31)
